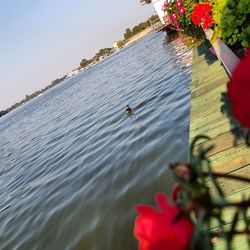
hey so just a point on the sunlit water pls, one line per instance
(73, 165)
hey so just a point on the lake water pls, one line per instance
(73, 165)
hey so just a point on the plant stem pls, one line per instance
(229, 176)
(245, 204)
(217, 234)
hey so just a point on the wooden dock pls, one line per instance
(209, 81)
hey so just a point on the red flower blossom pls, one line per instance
(196, 19)
(167, 20)
(178, 5)
(182, 10)
(202, 9)
(207, 22)
(239, 92)
(165, 5)
(201, 15)
(158, 229)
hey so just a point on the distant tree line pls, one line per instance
(97, 57)
(33, 95)
(137, 29)
(128, 34)
(85, 62)
(101, 53)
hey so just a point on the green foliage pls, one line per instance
(103, 52)
(120, 44)
(138, 28)
(218, 7)
(186, 25)
(84, 62)
(128, 33)
(231, 20)
(235, 24)
(183, 20)
(100, 53)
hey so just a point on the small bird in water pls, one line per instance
(129, 110)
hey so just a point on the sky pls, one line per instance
(42, 40)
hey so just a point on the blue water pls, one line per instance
(73, 164)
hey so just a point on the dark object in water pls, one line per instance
(128, 110)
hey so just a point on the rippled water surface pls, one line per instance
(73, 165)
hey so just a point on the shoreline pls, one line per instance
(130, 41)
(138, 36)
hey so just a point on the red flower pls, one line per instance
(165, 5)
(202, 9)
(239, 92)
(182, 10)
(201, 15)
(167, 20)
(207, 22)
(178, 5)
(174, 16)
(196, 19)
(158, 230)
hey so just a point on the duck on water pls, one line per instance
(128, 110)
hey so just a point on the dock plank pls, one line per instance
(230, 186)
(221, 143)
(209, 80)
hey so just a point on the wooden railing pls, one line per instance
(224, 54)
(156, 25)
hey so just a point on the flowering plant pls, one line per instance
(180, 12)
(197, 214)
(196, 220)
(201, 15)
(165, 6)
(229, 19)
(156, 229)
(235, 25)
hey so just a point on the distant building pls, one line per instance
(115, 45)
(72, 73)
